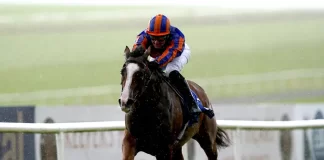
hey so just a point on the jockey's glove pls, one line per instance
(154, 65)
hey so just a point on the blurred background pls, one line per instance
(60, 56)
(71, 52)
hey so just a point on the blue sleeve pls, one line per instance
(141, 40)
(174, 50)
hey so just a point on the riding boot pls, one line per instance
(183, 87)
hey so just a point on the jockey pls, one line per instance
(170, 52)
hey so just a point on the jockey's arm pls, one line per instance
(141, 40)
(172, 51)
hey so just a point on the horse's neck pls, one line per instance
(153, 105)
(156, 92)
(156, 97)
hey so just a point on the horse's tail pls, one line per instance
(222, 139)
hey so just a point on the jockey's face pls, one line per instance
(158, 41)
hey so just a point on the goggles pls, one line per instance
(158, 38)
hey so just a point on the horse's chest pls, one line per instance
(148, 125)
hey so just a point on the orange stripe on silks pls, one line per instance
(174, 53)
(181, 43)
(143, 44)
(157, 25)
(134, 47)
(135, 44)
(165, 53)
(168, 26)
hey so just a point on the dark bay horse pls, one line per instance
(154, 114)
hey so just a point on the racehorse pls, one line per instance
(155, 116)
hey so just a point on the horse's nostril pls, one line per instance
(130, 101)
(121, 102)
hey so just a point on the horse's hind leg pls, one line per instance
(208, 144)
(206, 137)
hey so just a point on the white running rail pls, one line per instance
(120, 125)
(61, 128)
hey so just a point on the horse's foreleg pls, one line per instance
(177, 154)
(129, 146)
(165, 154)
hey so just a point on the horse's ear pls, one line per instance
(126, 52)
(147, 52)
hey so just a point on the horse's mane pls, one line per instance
(139, 51)
(134, 55)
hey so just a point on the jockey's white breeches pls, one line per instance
(178, 62)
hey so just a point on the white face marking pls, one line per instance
(130, 70)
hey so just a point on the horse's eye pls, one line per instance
(139, 74)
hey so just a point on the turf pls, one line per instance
(56, 60)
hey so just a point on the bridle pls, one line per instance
(139, 94)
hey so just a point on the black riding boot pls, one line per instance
(183, 87)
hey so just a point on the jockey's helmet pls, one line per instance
(158, 26)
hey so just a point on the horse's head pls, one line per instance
(135, 76)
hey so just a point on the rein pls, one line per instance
(168, 83)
